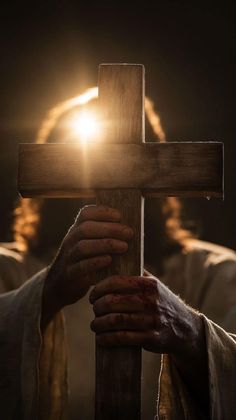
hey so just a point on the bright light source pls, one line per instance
(85, 126)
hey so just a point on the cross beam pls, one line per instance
(119, 171)
(73, 170)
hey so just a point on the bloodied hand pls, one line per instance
(142, 311)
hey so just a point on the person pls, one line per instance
(33, 359)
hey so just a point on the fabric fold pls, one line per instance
(221, 349)
(24, 352)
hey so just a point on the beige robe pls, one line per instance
(204, 276)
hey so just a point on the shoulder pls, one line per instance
(214, 263)
(12, 273)
(196, 244)
(199, 258)
(214, 268)
(9, 253)
(16, 267)
(211, 254)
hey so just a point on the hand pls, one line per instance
(142, 311)
(96, 235)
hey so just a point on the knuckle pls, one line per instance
(82, 213)
(93, 263)
(149, 286)
(81, 248)
(68, 255)
(153, 302)
(103, 208)
(108, 282)
(153, 284)
(110, 303)
(111, 320)
(109, 244)
(118, 319)
(79, 268)
(107, 300)
(83, 228)
(66, 241)
(114, 279)
(78, 217)
(98, 261)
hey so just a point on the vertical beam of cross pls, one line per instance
(118, 370)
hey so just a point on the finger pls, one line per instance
(91, 247)
(123, 303)
(98, 230)
(98, 213)
(124, 284)
(89, 265)
(127, 338)
(121, 321)
(94, 213)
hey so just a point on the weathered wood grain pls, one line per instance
(118, 377)
(65, 170)
(118, 371)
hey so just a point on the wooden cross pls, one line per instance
(120, 170)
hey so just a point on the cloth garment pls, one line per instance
(33, 369)
(175, 401)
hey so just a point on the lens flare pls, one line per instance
(85, 126)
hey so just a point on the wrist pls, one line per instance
(196, 340)
(192, 363)
(194, 346)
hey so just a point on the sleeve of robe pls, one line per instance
(176, 401)
(32, 367)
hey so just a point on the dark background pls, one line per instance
(50, 51)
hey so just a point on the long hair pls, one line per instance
(40, 224)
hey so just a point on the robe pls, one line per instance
(33, 368)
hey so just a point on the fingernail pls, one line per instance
(122, 247)
(107, 259)
(116, 214)
(128, 232)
